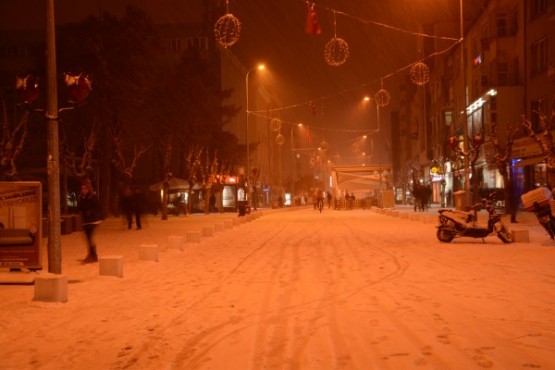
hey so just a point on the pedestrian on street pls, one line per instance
(126, 203)
(89, 208)
(137, 203)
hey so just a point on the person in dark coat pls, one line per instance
(89, 207)
(127, 205)
(137, 202)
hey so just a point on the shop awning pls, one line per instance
(530, 161)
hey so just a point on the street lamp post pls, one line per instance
(247, 167)
(53, 165)
(468, 198)
(293, 172)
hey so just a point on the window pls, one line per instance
(537, 8)
(174, 45)
(197, 43)
(501, 24)
(538, 56)
(502, 74)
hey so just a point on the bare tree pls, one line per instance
(126, 167)
(472, 154)
(544, 138)
(167, 149)
(84, 169)
(502, 158)
(12, 145)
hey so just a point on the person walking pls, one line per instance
(126, 203)
(89, 208)
(320, 200)
(137, 202)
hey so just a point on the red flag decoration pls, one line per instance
(27, 89)
(78, 87)
(313, 107)
(312, 25)
(308, 136)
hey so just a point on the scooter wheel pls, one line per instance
(444, 235)
(505, 235)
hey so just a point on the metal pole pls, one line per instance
(468, 198)
(247, 167)
(53, 165)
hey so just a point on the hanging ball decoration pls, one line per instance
(420, 73)
(324, 146)
(312, 162)
(227, 30)
(336, 52)
(275, 123)
(354, 148)
(382, 97)
(280, 139)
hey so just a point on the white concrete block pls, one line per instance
(50, 288)
(219, 227)
(148, 252)
(520, 236)
(193, 236)
(111, 265)
(403, 215)
(208, 231)
(228, 224)
(175, 242)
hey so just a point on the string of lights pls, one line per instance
(264, 113)
(383, 25)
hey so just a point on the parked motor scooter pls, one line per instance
(456, 224)
(545, 218)
(539, 201)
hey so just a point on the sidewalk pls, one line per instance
(522, 217)
(114, 238)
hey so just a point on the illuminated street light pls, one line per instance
(259, 67)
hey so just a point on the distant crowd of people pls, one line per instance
(422, 195)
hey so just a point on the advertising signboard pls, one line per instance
(20, 224)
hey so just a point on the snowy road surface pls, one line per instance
(292, 290)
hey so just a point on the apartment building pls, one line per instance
(507, 71)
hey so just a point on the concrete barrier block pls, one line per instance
(193, 236)
(520, 236)
(403, 215)
(175, 242)
(148, 252)
(111, 265)
(50, 288)
(208, 231)
(219, 227)
(228, 224)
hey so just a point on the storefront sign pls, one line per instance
(20, 224)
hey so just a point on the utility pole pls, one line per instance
(53, 164)
(468, 198)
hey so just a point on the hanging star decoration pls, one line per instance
(336, 50)
(312, 24)
(420, 73)
(227, 29)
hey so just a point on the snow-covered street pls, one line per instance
(292, 290)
